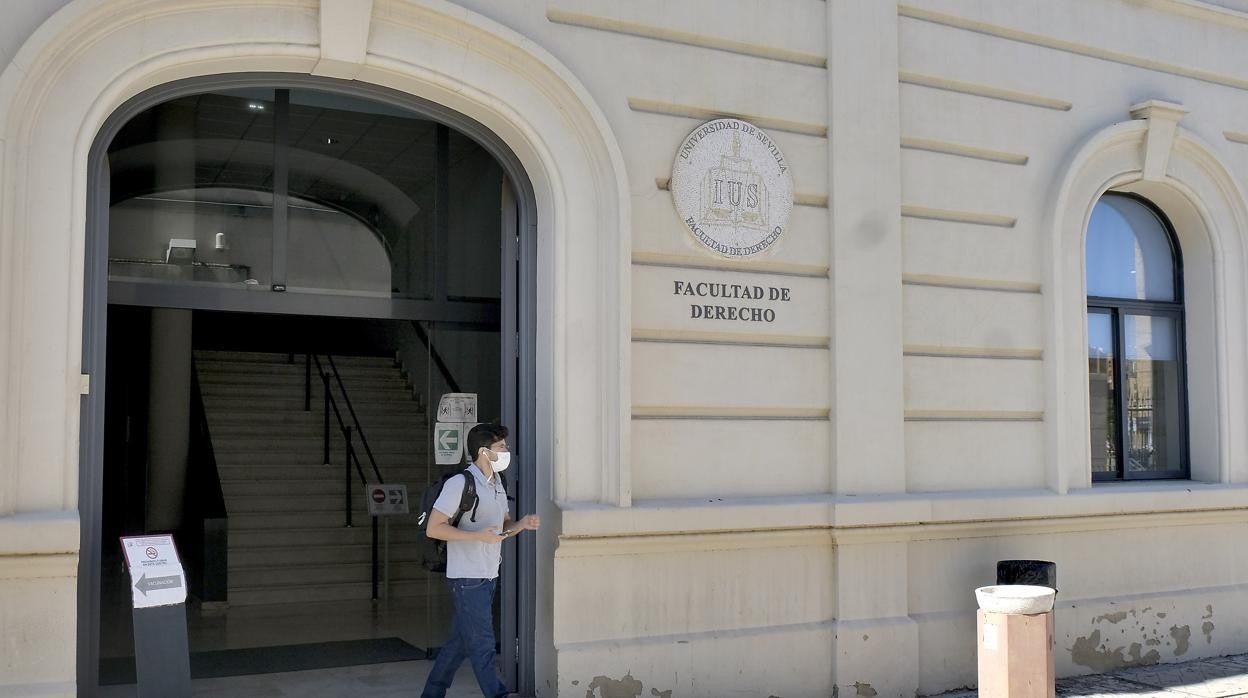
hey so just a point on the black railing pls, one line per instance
(445, 370)
(349, 434)
(205, 528)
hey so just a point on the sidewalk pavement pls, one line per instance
(1217, 677)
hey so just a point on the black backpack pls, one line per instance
(432, 550)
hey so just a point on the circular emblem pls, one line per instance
(732, 187)
(379, 495)
(151, 553)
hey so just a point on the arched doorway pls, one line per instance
(252, 214)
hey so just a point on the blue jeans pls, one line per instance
(471, 638)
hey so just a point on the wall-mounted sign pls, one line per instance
(156, 576)
(448, 442)
(457, 407)
(387, 499)
(732, 187)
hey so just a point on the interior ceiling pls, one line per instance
(345, 132)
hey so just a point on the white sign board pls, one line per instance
(732, 187)
(458, 407)
(448, 443)
(387, 499)
(156, 576)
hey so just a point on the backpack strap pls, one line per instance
(467, 499)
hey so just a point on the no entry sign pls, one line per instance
(386, 500)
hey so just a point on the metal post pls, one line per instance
(325, 388)
(374, 558)
(346, 472)
(385, 565)
(307, 382)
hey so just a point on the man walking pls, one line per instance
(473, 553)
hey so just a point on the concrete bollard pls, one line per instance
(1015, 631)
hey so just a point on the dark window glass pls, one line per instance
(377, 200)
(192, 191)
(1136, 382)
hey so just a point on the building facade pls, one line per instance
(799, 504)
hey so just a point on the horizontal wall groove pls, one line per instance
(1072, 47)
(978, 90)
(972, 416)
(649, 31)
(731, 339)
(970, 284)
(933, 145)
(747, 414)
(1003, 353)
(665, 642)
(919, 515)
(659, 259)
(689, 111)
(1204, 11)
(799, 199)
(952, 216)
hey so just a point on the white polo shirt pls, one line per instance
(469, 559)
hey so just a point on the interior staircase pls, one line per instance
(287, 539)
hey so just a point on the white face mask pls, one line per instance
(504, 460)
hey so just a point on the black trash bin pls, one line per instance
(1035, 572)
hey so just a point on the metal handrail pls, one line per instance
(359, 429)
(342, 425)
(445, 370)
(351, 455)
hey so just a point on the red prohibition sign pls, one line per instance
(379, 495)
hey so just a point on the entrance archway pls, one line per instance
(288, 198)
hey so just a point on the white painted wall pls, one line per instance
(771, 509)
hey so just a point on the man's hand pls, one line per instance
(529, 523)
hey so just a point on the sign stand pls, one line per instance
(162, 658)
(384, 501)
(158, 591)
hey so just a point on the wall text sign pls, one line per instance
(713, 300)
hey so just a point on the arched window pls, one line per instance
(1136, 362)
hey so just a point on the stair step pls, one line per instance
(206, 367)
(412, 475)
(315, 574)
(229, 433)
(386, 462)
(268, 556)
(361, 535)
(220, 382)
(281, 500)
(240, 405)
(304, 593)
(314, 445)
(254, 417)
(243, 357)
(298, 521)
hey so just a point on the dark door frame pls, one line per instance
(517, 317)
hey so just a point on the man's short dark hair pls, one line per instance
(483, 436)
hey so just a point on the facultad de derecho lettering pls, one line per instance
(727, 291)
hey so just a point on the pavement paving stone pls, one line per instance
(1216, 677)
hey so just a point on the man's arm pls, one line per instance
(440, 528)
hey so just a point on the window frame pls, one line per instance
(1117, 309)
